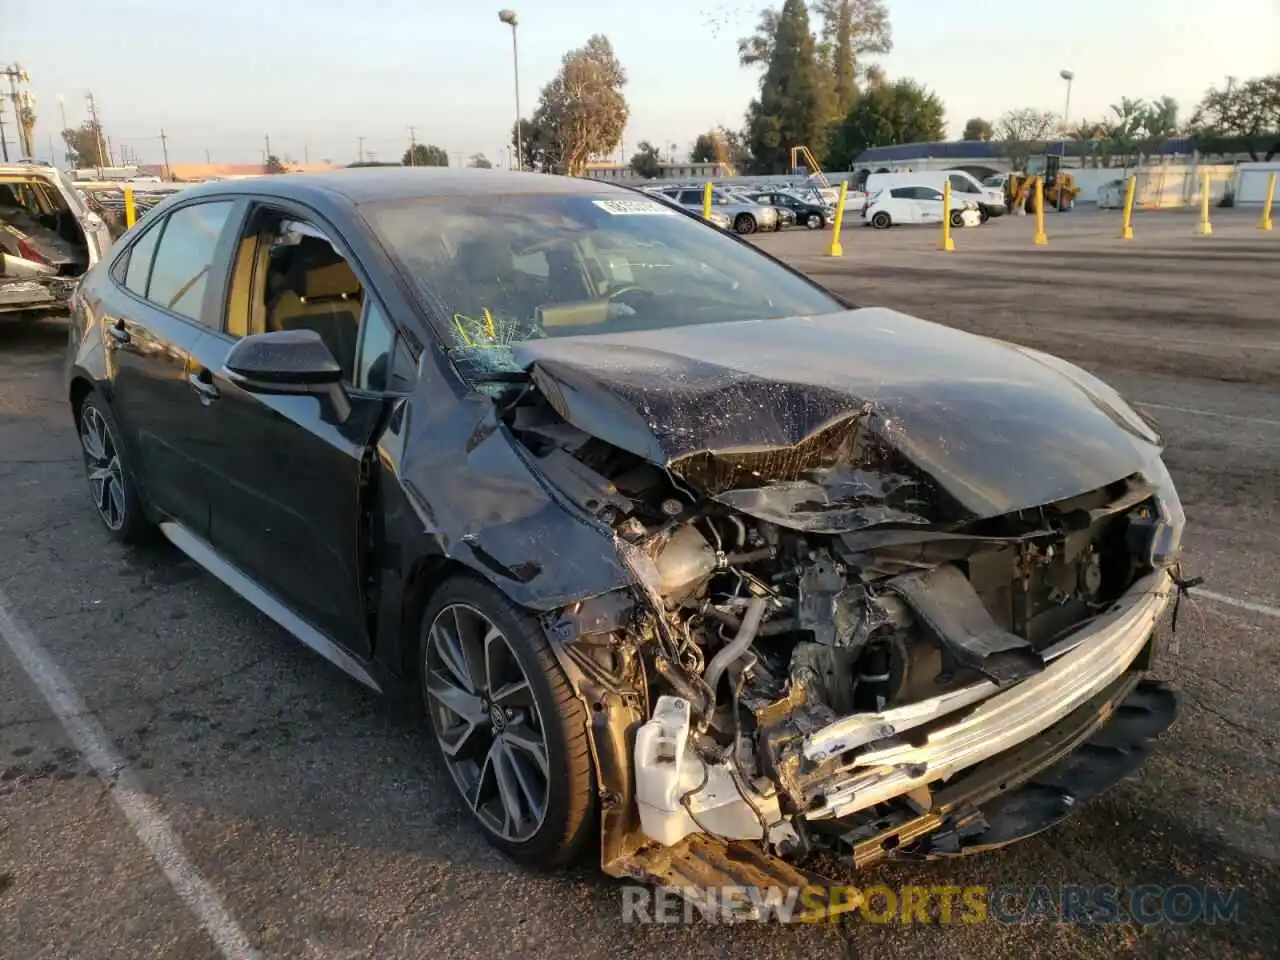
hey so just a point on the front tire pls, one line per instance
(957, 218)
(744, 224)
(111, 484)
(512, 733)
(815, 221)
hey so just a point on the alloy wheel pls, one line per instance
(487, 722)
(102, 463)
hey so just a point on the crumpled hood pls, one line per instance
(839, 422)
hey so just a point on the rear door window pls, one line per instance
(138, 269)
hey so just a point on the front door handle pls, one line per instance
(202, 383)
(119, 335)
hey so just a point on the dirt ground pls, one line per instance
(326, 826)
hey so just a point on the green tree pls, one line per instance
(274, 165)
(757, 49)
(1243, 118)
(792, 109)
(888, 114)
(480, 162)
(704, 149)
(851, 30)
(540, 149)
(647, 161)
(87, 145)
(425, 155)
(976, 129)
(583, 105)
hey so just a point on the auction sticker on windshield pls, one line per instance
(634, 208)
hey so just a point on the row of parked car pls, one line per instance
(748, 210)
(884, 200)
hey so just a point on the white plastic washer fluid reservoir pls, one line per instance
(660, 761)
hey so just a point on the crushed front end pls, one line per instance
(783, 688)
(870, 609)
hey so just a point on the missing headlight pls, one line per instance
(1155, 529)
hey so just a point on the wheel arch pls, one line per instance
(80, 387)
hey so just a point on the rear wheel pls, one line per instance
(512, 733)
(881, 220)
(957, 218)
(745, 223)
(111, 485)
(814, 221)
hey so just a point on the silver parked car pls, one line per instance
(717, 219)
(746, 217)
(49, 238)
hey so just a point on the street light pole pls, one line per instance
(510, 19)
(1068, 76)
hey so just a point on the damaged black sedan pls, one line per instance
(685, 556)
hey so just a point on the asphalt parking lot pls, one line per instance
(309, 820)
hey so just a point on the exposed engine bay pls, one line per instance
(800, 680)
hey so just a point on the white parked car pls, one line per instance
(917, 204)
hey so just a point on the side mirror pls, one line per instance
(290, 363)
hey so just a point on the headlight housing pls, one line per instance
(1159, 527)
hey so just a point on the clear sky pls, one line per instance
(317, 74)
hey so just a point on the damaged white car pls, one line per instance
(48, 239)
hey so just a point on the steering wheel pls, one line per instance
(625, 288)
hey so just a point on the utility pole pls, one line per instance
(24, 113)
(4, 139)
(208, 159)
(62, 111)
(306, 154)
(103, 152)
(164, 149)
(267, 140)
(413, 147)
(360, 143)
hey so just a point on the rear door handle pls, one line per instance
(202, 383)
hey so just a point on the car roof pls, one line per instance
(374, 184)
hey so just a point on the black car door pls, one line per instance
(159, 305)
(284, 474)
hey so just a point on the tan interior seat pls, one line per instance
(323, 295)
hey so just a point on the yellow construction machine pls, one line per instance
(1060, 190)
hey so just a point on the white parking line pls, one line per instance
(148, 823)
(1208, 413)
(1264, 609)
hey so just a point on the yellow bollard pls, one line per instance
(706, 201)
(130, 208)
(1265, 222)
(837, 250)
(947, 244)
(1204, 228)
(1126, 232)
(1041, 239)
